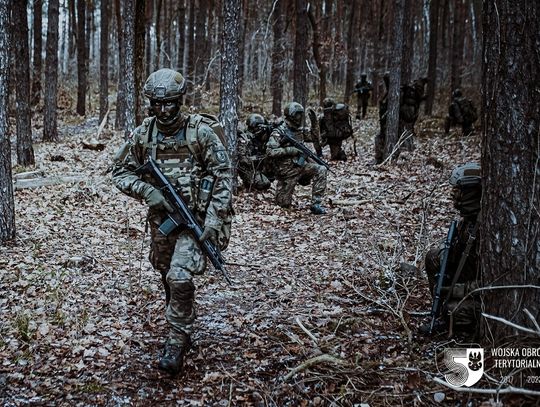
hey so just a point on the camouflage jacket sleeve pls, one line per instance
(128, 158)
(274, 148)
(216, 162)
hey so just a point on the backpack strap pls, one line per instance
(192, 128)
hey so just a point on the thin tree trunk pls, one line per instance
(408, 38)
(7, 204)
(38, 45)
(229, 76)
(432, 62)
(351, 50)
(457, 45)
(278, 53)
(510, 221)
(120, 120)
(317, 55)
(140, 6)
(104, 61)
(300, 53)
(128, 65)
(157, 55)
(25, 151)
(181, 35)
(392, 126)
(81, 57)
(50, 124)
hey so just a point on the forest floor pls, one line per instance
(319, 313)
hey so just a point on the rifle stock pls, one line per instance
(182, 216)
(436, 308)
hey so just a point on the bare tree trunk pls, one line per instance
(510, 221)
(120, 120)
(432, 62)
(278, 55)
(351, 50)
(457, 45)
(392, 126)
(408, 38)
(229, 76)
(300, 91)
(25, 151)
(181, 36)
(190, 45)
(7, 204)
(128, 65)
(50, 124)
(138, 57)
(317, 55)
(158, 25)
(38, 45)
(104, 61)
(72, 30)
(81, 57)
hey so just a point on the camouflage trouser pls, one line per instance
(463, 318)
(287, 182)
(254, 179)
(336, 151)
(177, 257)
(466, 127)
(362, 105)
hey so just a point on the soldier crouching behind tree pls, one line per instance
(290, 165)
(459, 312)
(254, 168)
(195, 161)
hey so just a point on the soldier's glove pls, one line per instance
(292, 151)
(210, 234)
(155, 200)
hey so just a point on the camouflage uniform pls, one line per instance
(410, 98)
(335, 126)
(467, 199)
(254, 168)
(291, 167)
(363, 91)
(461, 111)
(193, 158)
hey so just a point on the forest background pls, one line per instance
(337, 328)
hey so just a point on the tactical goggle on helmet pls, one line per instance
(466, 175)
(165, 85)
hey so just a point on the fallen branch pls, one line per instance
(312, 362)
(511, 324)
(506, 390)
(308, 333)
(45, 182)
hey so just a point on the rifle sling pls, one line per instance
(462, 260)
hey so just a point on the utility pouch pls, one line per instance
(206, 186)
(169, 225)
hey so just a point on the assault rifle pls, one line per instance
(436, 307)
(305, 151)
(182, 216)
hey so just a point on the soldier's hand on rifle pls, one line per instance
(292, 151)
(210, 234)
(155, 200)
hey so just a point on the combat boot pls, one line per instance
(172, 360)
(317, 209)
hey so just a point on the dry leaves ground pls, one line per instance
(318, 313)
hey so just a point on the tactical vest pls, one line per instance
(177, 155)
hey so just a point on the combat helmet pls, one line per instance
(165, 85)
(294, 114)
(467, 182)
(456, 93)
(328, 103)
(254, 121)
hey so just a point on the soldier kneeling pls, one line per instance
(459, 310)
